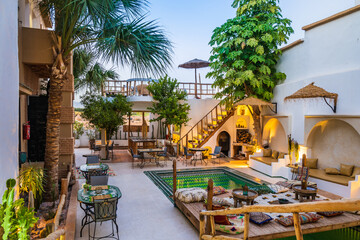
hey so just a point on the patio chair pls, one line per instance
(95, 172)
(94, 147)
(111, 148)
(104, 210)
(187, 154)
(164, 154)
(99, 180)
(299, 174)
(92, 159)
(134, 156)
(216, 153)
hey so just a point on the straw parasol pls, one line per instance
(253, 101)
(195, 64)
(312, 91)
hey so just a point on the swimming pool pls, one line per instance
(187, 178)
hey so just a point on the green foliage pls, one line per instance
(88, 74)
(15, 219)
(169, 102)
(106, 113)
(31, 179)
(245, 50)
(114, 29)
(78, 129)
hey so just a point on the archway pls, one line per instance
(224, 142)
(334, 142)
(274, 133)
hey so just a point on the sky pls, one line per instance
(189, 25)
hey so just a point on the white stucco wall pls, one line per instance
(9, 91)
(330, 57)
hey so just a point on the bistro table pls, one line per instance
(239, 197)
(149, 151)
(100, 169)
(194, 158)
(86, 200)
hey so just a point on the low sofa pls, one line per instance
(343, 182)
(269, 162)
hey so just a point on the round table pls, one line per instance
(239, 197)
(201, 150)
(99, 169)
(86, 197)
(304, 193)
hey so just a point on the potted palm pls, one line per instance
(78, 132)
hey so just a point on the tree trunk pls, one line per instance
(256, 113)
(53, 133)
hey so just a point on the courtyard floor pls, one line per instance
(143, 210)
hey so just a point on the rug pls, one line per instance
(80, 176)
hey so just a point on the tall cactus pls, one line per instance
(7, 201)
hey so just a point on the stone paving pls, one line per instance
(143, 211)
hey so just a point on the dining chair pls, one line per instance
(164, 154)
(94, 172)
(92, 159)
(99, 180)
(187, 154)
(104, 210)
(216, 153)
(134, 156)
(111, 148)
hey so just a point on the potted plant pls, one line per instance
(91, 133)
(78, 132)
(86, 187)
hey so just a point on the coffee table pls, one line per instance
(239, 197)
(309, 192)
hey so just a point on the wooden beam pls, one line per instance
(246, 226)
(297, 226)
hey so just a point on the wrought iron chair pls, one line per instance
(216, 153)
(104, 210)
(92, 159)
(111, 148)
(99, 180)
(164, 154)
(187, 154)
(134, 156)
(94, 172)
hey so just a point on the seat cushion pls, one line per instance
(332, 171)
(338, 179)
(356, 171)
(275, 154)
(346, 170)
(266, 160)
(304, 218)
(189, 195)
(267, 152)
(311, 163)
(281, 155)
(217, 190)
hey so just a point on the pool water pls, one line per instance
(352, 233)
(222, 176)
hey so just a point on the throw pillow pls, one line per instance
(259, 218)
(304, 218)
(311, 163)
(356, 171)
(223, 201)
(330, 214)
(275, 154)
(217, 190)
(281, 155)
(222, 220)
(236, 228)
(267, 152)
(346, 170)
(332, 171)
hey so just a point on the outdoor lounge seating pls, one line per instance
(270, 162)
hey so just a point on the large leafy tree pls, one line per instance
(106, 112)
(245, 53)
(90, 75)
(169, 103)
(115, 30)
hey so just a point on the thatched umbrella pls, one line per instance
(253, 101)
(312, 91)
(195, 64)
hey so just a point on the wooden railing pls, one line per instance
(295, 209)
(205, 128)
(139, 88)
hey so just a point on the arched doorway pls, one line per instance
(224, 142)
(274, 134)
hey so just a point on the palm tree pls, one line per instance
(116, 31)
(89, 75)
